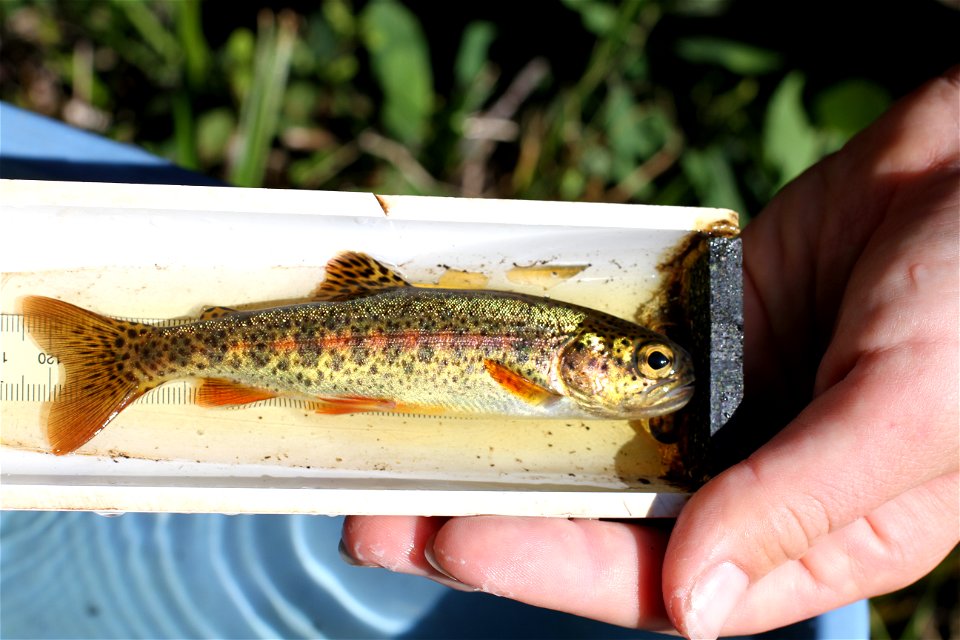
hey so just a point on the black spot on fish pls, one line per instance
(333, 323)
(259, 356)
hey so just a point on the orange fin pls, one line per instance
(210, 313)
(215, 392)
(527, 390)
(98, 381)
(352, 274)
(353, 404)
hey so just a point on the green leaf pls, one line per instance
(632, 133)
(700, 8)
(472, 55)
(260, 111)
(598, 16)
(572, 184)
(238, 61)
(149, 26)
(596, 162)
(736, 57)
(183, 130)
(401, 64)
(339, 15)
(314, 171)
(850, 105)
(790, 143)
(299, 102)
(712, 178)
(195, 49)
(214, 129)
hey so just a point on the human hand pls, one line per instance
(851, 324)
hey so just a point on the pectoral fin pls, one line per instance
(527, 390)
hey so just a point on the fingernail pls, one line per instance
(347, 557)
(431, 558)
(453, 583)
(443, 578)
(712, 600)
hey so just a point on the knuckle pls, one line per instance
(789, 524)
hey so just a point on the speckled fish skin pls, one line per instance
(420, 347)
(396, 348)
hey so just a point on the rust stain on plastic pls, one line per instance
(725, 227)
(384, 204)
(458, 279)
(545, 276)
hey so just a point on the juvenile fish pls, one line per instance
(369, 341)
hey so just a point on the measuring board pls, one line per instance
(167, 251)
(166, 423)
(28, 374)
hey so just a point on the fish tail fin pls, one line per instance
(96, 353)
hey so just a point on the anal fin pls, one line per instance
(215, 392)
(340, 405)
(360, 404)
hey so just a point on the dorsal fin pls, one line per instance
(350, 274)
(212, 313)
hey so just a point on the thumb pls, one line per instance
(767, 542)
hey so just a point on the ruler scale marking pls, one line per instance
(24, 361)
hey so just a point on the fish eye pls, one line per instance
(653, 360)
(657, 360)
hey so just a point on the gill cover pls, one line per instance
(618, 371)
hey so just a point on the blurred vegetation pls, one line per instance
(691, 102)
(669, 102)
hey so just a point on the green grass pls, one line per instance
(347, 97)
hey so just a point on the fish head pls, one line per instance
(624, 371)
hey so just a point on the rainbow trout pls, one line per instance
(368, 341)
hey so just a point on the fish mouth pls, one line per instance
(678, 396)
(673, 400)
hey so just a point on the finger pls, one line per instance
(799, 253)
(607, 571)
(904, 288)
(892, 547)
(857, 446)
(392, 542)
